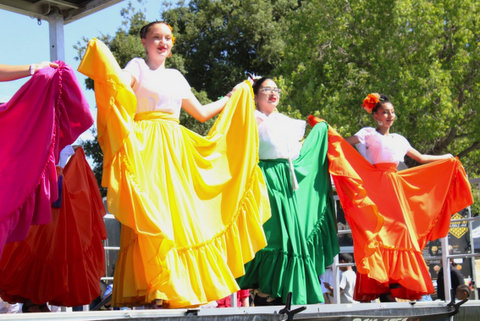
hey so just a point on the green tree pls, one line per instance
(423, 54)
(92, 149)
(222, 40)
(216, 43)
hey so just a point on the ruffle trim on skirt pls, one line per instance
(408, 276)
(323, 242)
(34, 210)
(193, 275)
(278, 272)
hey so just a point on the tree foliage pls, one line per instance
(423, 54)
(217, 42)
(327, 55)
(222, 40)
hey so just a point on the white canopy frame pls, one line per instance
(57, 13)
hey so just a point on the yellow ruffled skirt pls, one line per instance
(191, 207)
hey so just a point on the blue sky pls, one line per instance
(24, 41)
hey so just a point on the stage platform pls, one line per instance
(400, 311)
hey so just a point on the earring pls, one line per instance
(380, 123)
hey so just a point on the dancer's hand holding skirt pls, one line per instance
(191, 207)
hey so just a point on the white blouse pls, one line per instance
(279, 136)
(65, 154)
(378, 148)
(158, 90)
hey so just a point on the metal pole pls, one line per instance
(447, 282)
(472, 251)
(233, 299)
(336, 281)
(57, 40)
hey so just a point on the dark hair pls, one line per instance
(258, 82)
(463, 287)
(382, 100)
(143, 32)
(347, 258)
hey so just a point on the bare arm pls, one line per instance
(10, 72)
(424, 158)
(127, 78)
(13, 72)
(202, 113)
(352, 140)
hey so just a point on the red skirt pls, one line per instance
(392, 215)
(61, 262)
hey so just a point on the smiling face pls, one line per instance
(158, 43)
(385, 115)
(267, 97)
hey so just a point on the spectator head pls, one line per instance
(345, 258)
(462, 292)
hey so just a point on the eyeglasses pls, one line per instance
(269, 90)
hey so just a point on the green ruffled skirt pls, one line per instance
(301, 233)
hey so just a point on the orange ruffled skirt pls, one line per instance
(61, 262)
(393, 214)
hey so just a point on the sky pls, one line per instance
(24, 41)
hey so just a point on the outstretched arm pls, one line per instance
(424, 158)
(13, 72)
(201, 112)
(352, 140)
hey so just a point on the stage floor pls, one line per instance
(402, 311)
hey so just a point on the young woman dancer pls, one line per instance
(393, 214)
(191, 207)
(301, 232)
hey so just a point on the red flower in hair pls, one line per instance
(370, 101)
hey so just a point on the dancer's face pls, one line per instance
(385, 115)
(158, 42)
(267, 97)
